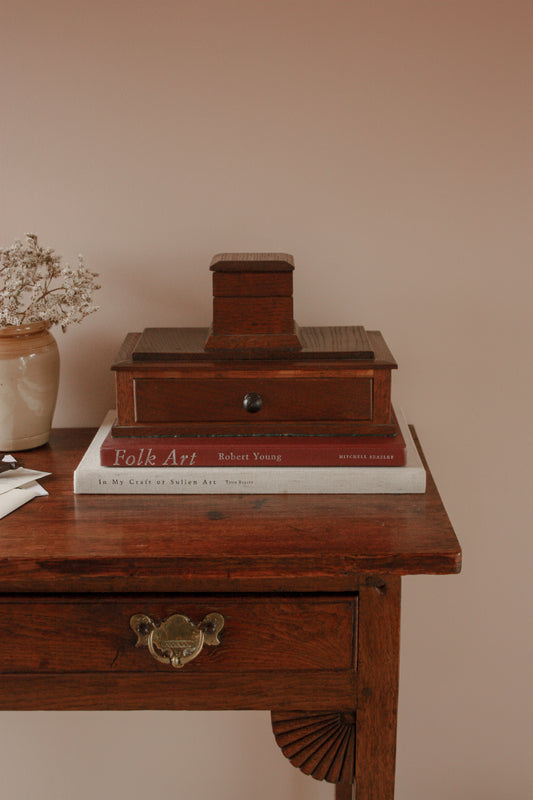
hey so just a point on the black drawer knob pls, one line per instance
(252, 402)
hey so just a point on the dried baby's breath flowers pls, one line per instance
(36, 288)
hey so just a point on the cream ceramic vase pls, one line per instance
(29, 379)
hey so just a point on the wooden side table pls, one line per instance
(302, 592)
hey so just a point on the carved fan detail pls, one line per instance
(321, 744)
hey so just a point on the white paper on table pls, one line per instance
(13, 499)
(14, 478)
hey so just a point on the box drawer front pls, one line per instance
(283, 399)
(94, 635)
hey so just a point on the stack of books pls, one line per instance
(251, 464)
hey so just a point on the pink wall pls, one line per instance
(388, 147)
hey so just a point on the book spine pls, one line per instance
(241, 480)
(204, 454)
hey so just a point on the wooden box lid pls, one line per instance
(252, 275)
(252, 262)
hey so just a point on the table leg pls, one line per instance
(378, 672)
(345, 791)
(322, 744)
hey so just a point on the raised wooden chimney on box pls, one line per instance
(252, 303)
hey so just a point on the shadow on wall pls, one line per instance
(87, 387)
(176, 294)
(133, 296)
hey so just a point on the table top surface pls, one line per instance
(213, 543)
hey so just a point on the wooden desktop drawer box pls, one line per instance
(80, 651)
(254, 370)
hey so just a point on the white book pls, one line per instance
(92, 478)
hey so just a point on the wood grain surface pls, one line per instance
(216, 543)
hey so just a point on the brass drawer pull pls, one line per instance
(177, 640)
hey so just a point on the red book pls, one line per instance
(254, 451)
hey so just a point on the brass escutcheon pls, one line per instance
(176, 640)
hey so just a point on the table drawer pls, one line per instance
(277, 399)
(86, 649)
